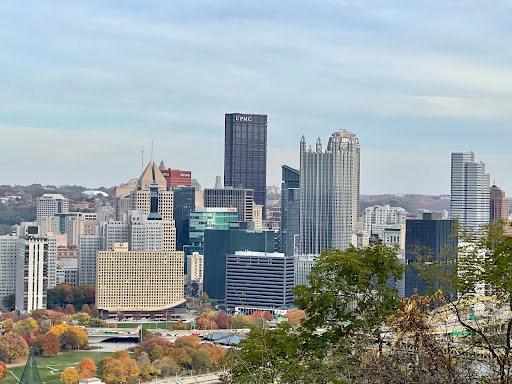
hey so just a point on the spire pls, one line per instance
(152, 175)
(162, 166)
(31, 373)
(319, 145)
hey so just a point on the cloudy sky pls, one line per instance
(85, 84)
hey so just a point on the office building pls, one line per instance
(257, 216)
(429, 237)
(139, 282)
(105, 213)
(302, 268)
(327, 186)
(152, 189)
(76, 224)
(88, 246)
(123, 204)
(259, 281)
(207, 218)
(499, 205)
(245, 154)
(470, 189)
(184, 203)
(31, 273)
(199, 193)
(241, 199)
(144, 234)
(175, 178)
(195, 275)
(218, 243)
(290, 207)
(379, 217)
(50, 204)
(8, 252)
(67, 265)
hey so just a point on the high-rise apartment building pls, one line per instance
(245, 153)
(241, 199)
(428, 237)
(259, 281)
(31, 273)
(290, 208)
(139, 282)
(327, 188)
(470, 188)
(152, 184)
(50, 204)
(499, 205)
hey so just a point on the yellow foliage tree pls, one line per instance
(7, 324)
(83, 339)
(69, 376)
(59, 329)
(82, 318)
(28, 326)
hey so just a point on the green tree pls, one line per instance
(9, 301)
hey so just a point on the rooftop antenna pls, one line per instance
(151, 151)
(142, 161)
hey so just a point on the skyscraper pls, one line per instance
(50, 204)
(245, 153)
(184, 203)
(470, 188)
(241, 199)
(290, 207)
(329, 181)
(499, 204)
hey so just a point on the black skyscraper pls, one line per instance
(245, 153)
(429, 236)
(290, 208)
(184, 203)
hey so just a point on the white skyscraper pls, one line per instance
(329, 193)
(470, 189)
(88, 245)
(8, 252)
(50, 204)
(379, 217)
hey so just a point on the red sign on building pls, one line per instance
(176, 177)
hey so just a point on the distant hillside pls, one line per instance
(414, 204)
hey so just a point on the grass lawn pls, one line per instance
(151, 325)
(50, 368)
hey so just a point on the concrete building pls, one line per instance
(257, 216)
(218, 243)
(328, 183)
(259, 281)
(31, 273)
(199, 193)
(50, 204)
(245, 154)
(153, 182)
(139, 282)
(470, 189)
(429, 237)
(195, 275)
(241, 199)
(123, 204)
(78, 223)
(499, 205)
(302, 268)
(144, 234)
(379, 217)
(175, 178)
(88, 246)
(8, 253)
(290, 208)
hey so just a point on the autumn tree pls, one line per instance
(69, 340)
(7, 325)
(95, 313)
(201, 360)
(69, 376)
(28, 326)
(37, 345)
(294, 317)
(119, 368)
(69, 309)
(151, 341)
(191, 342)
(146, 367)
(82, 318)
(86, 309)
(50, 345)
(223, 320)
(179, 326)
(14, 347)
(86, 369)
(3, 370)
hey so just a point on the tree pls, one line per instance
(3, 370)
(294, 317)
(146, 367)
(169, 366)
(9, 301)
(238, 321)
(95, 313)
(157, 353)
(149, 344)
(69, 340)
(86, 309)
(69, 309)
(86, 369)
(69, 376)
(201, 360)
(28, 339)
(179, 326)
(191, 342)
(119, 368)
(28, 326)
(223, 320)
(120, 316)
(82, 318)
(59, 329)
(37, 346)
(14, 347)
(50, 345)
(7, 325)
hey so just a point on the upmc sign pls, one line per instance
(243, 118)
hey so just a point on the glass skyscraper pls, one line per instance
(245, 153)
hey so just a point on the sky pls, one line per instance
(85, 84)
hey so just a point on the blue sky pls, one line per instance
(85, 84)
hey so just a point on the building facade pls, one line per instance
(88, 246)
(327, 188)
(8, 253)
(245, 153)
(259, 281)
(241, 199)
(302, 268)
(379, 217)
(184, 203)
(139, 282)
(499, 205)
(50, 204)
(290, 208)
(470, 189)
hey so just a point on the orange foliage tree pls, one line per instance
(50, 345)
(14, 346)
(86, 369)
(119, 368)
(294, 317)
(3, 370)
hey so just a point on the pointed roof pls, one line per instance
(162, 166)
(31, 373)
(152, 175)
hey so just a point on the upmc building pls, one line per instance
(245, 153)
(176, 177)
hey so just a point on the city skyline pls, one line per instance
(101, 80)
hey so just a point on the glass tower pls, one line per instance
(245, 153)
